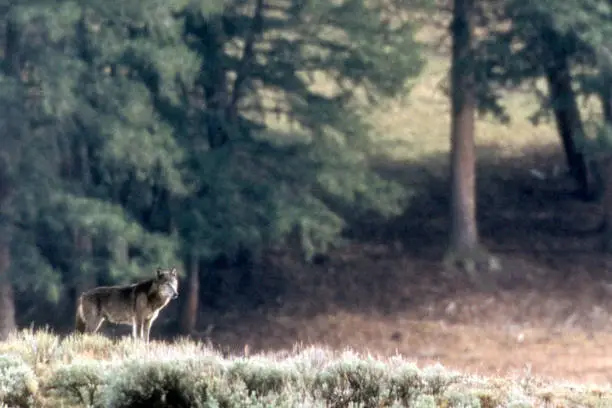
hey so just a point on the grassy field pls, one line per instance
(40, 369)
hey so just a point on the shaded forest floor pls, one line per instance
(549, 311)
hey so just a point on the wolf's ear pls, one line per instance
(173, 272)
(159, 273)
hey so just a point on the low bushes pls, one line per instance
(95, 372)
(18, 383)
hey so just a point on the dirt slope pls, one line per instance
(549, 311)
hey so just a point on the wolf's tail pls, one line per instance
(80, 325)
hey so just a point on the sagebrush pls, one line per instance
(39, 369)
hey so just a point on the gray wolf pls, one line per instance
(137, 304)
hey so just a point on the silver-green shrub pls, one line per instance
(18, 383)
(179, 383)
(462, 399)
(79, 382)
(437, 379)
(351, 382)
(262, 377)
(517, 398)
(406, 383)
(424, 401)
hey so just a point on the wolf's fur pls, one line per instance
(137, 304)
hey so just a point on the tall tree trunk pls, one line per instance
(601, 164)
(189, 313)
(465, 249)
(214, 80)
(606, 98)
(10, 66)
(7, 300)
(464, 231)
(84, 277)
(567, 116)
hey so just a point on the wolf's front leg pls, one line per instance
(134, 328)
(147, 329)
(137, 328)
(141, 329)
(140, 315)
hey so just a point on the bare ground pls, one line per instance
(548, 312)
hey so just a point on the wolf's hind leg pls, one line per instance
(96, 324)
(93, 321)
(80, 325)
(88, 326)
(87, 321)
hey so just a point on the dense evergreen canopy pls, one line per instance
(138, 133)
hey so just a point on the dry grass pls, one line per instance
(95, 370)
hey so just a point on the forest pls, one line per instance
(267, 148)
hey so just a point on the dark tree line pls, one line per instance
(175, 133)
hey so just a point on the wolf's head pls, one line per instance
(167, 283)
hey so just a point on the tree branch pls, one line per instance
(247, 56)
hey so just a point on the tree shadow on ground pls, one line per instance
(528, 216)
(524, 203)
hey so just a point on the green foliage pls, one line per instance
(351, 382)
(600, 137)
(463, 400)
(143, 132)
(310, 190)
(31, 270)
(436, 379)
(425, 401)
(79, 382)
(525, 39)
(169, 383)
(18, 383)
(517, 399)
(256, 193)
(260, 378)
(407, 383)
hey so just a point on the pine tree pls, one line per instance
(566, 42)
(148, 134)
(465, 249)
